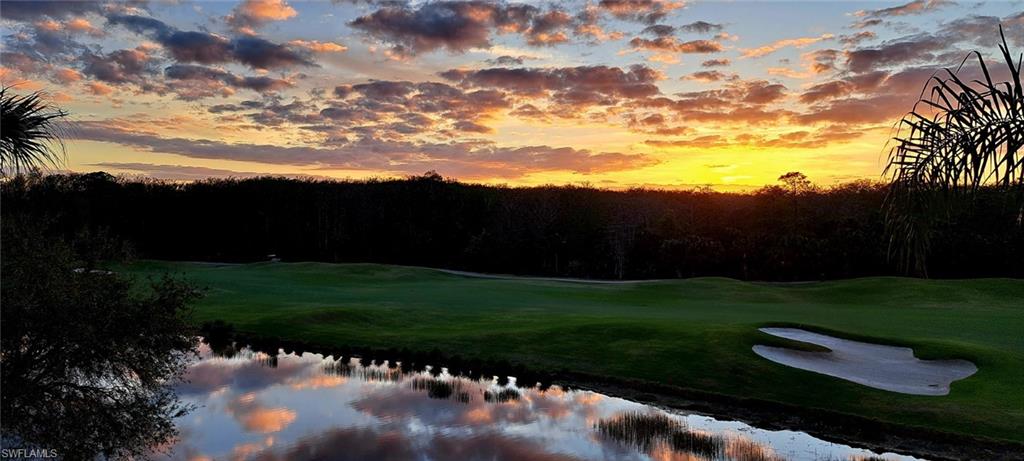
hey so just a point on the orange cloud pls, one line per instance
(62, 97)
(596, 33)
(99, 88)
(646, 11)
(914, 7)
(67, 76)
(780, 44)
(673, 45)
(787, 72)
(48, 25)
(317, 46)
(267, 10)
(708, 76)
(319, 381)
(266, 420)
(250, 14)
(257, 418)
(82, 26)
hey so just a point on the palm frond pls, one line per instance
(960, 136)
(31, 132)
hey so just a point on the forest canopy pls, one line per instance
(778, 233)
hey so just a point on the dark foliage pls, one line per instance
(30, 129)
(777, 233)
(960, 136)
(86, 359)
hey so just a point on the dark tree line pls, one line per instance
(790, 232)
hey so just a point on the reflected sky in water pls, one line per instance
(258, 407)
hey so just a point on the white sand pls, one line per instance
(881, 367)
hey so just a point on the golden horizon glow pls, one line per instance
(650, 94)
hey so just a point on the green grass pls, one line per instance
(694, 333)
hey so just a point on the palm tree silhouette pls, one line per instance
(961, 135)
(30, 132)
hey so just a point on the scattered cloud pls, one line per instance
(912, 8)
(716, 63)
(708, 76)
(799, 139)
(53, 9)
(670, 44)
(469, 159)
(701, 27)
(208, 48)
(202, 82)
(317, 46)
(458, 26)
(583, 83)
(785, 43)
(249, 15)
(643, 11)
(856, 38)
(910, 50)
(506, 60)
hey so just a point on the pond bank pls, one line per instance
(836, 427)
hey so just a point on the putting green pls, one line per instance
(694, 333)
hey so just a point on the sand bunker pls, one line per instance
(881, 367)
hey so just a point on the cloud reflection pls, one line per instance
(255, 417)
(253, 406)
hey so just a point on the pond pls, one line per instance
(251, 405)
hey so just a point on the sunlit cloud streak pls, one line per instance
(469, 158)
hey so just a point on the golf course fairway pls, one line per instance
(693, 333)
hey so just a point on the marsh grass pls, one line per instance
(364, 369)
(649, 430)
(638, 429)
(748, 450)
(698, 443)
(507, 394)
(441, 389)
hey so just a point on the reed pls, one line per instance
(505, 395)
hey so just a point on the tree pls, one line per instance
(959, 136)
(86, 360)
(30, 132)
(796, 182)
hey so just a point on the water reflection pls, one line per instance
(255, 406)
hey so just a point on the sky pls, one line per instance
(608, 93)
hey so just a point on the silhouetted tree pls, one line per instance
(30, 132)
(960, 136)
(796, 182)
(86, 360)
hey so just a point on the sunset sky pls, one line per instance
(615, 93)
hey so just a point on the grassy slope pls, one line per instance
(695, 333)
